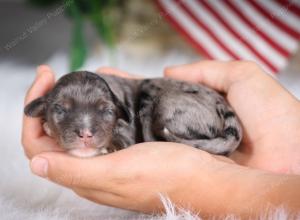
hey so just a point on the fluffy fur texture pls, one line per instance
(24, 196)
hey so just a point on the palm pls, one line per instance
(269, 114)
(270, 121)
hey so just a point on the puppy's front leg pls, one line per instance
(123, 135)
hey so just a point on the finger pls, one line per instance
(73, 172)
(43, 83)
(40, 145)
(239, 79)
(32, 127)
(216, 74)
(116, 72)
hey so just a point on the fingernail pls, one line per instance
(39, 166)
(43, 67)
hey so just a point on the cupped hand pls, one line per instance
(270, 115)
(134, 177)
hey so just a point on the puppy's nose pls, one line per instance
(84, 134)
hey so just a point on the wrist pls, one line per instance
(257, 192)
(221, 189)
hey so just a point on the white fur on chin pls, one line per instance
(87, 152)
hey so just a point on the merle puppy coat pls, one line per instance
(90, 114)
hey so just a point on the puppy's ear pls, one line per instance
(123, 111)
(36, 108)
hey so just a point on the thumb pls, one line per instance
(43, 82)
(219, 75)
(70, 171)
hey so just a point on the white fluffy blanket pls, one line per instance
(25, 196)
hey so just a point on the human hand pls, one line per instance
(270, 115)
(192, 179)
(133, 178)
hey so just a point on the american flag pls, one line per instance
(264, 31)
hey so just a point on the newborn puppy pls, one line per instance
(85, 116)
(89, 114)
(191, 114)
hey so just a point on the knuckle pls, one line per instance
(242, 70)
(245, 66)
(75, 181)
(28, 154)
(26, 147)
(26, 143)
(62, 178)
(251, 65)
(70, 180)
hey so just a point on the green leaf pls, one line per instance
(103, 21)
(78, 45)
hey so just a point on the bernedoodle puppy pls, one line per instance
(90, 114)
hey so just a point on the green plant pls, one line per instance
(101, 13)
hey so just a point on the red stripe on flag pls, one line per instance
(238, 36)
(293, 33)
(181, 30)
(254, 27)
(207, 29)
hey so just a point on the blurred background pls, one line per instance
(138, 36)
(34, 31)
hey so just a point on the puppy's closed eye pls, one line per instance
(107, 113)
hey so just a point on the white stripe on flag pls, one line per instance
(295, 2)
(226, 37)
(290, 19)
(261, 45)
(196, 33)
(277, 35)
